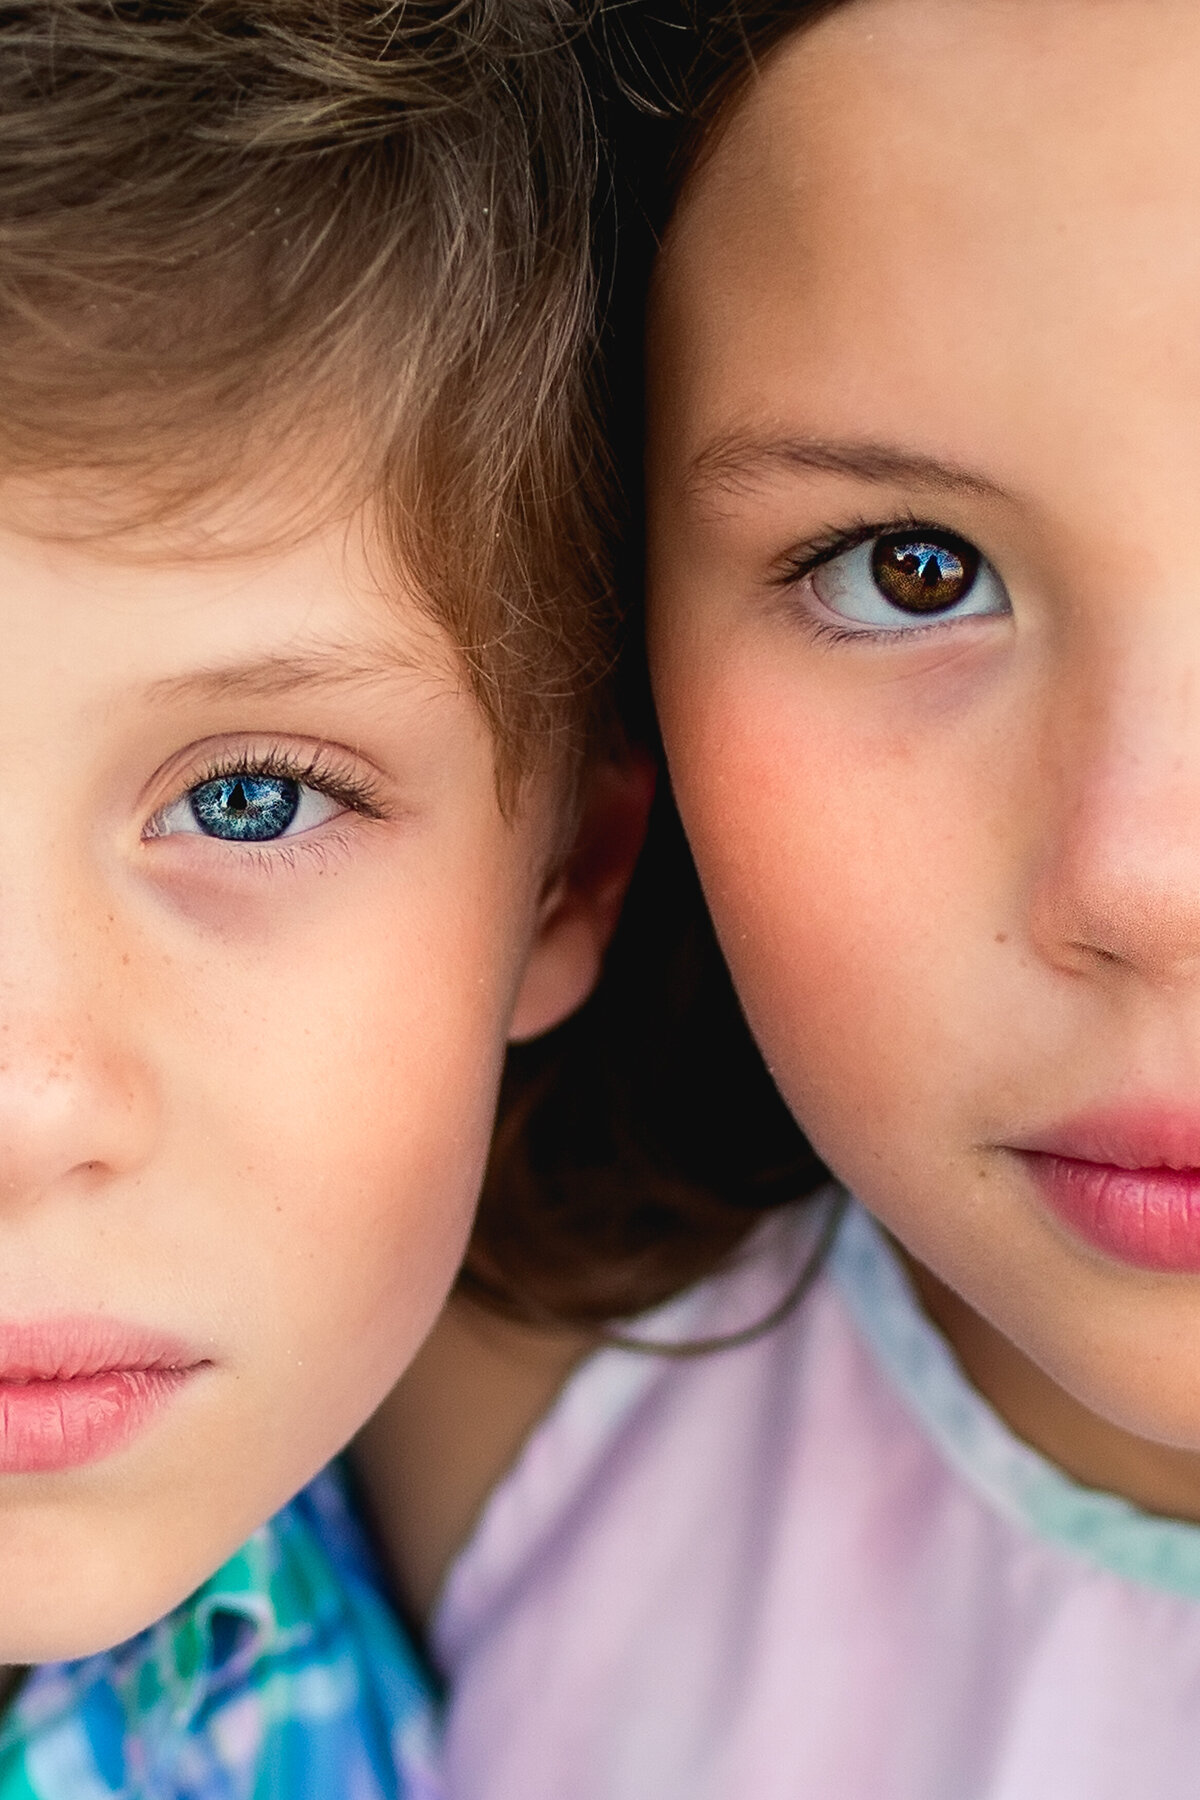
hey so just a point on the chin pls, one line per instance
(1136, 1399)
(87, 1605)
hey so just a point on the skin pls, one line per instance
(427, 1460)
(957, 874)
(246, 1095)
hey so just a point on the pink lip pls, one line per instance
(73, 1390)
(1128, 1182)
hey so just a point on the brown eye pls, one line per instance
(923, 573)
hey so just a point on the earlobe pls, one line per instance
(580, 911)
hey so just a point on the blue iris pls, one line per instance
(245, 808)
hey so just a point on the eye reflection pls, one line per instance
(245, 808)
(923, 574)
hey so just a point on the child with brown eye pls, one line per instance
(922, 388)
(309, 803)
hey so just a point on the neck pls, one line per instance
(428, 1459)
(1097, 1454)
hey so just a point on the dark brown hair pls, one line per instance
(239, 235)
(642, 1140)
(640, 1143)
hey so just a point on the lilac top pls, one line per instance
(817, 1565)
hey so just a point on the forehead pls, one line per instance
(250, 612)
(920, 197)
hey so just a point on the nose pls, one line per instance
(1118, 882)
(75, 1099)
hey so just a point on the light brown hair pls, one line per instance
(223, 222)
(241, 234)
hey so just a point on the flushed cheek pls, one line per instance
(851, 909)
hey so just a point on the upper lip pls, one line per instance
(1155, 1135)
(70, 1348)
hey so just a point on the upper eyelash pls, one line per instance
(314, 769)
(836, 540)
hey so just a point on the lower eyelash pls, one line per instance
(275, 856)
(824, 633)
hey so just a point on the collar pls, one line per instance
(1014, 1479)
(265, 1600)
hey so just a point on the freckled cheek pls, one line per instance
(339, 1103)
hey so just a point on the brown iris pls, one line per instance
(923, 572)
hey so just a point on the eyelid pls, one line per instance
(316, 766)
(836, 540)
(827, 622)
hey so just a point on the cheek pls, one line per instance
(337, 1101)
(847, 899)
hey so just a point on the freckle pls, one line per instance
(1002, 937)
(125, 959)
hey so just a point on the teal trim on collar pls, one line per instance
(1015, 1479)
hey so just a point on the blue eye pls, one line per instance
(903, 580)
(248, 806)
(245, 808)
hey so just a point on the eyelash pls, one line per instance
(803, 560)
(317, 769)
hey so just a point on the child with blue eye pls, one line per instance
(923, 383)
(308, 805)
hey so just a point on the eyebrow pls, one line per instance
(271, 677)
(737, 459)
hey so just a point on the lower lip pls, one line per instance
(62, 1423)
(1148, 1218)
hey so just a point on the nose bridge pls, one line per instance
(1119, 881)
(72, 1094)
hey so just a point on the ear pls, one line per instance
(580, 909)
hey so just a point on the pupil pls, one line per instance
(245, 808)
(923, 574)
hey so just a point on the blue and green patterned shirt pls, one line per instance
(285, 1677)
